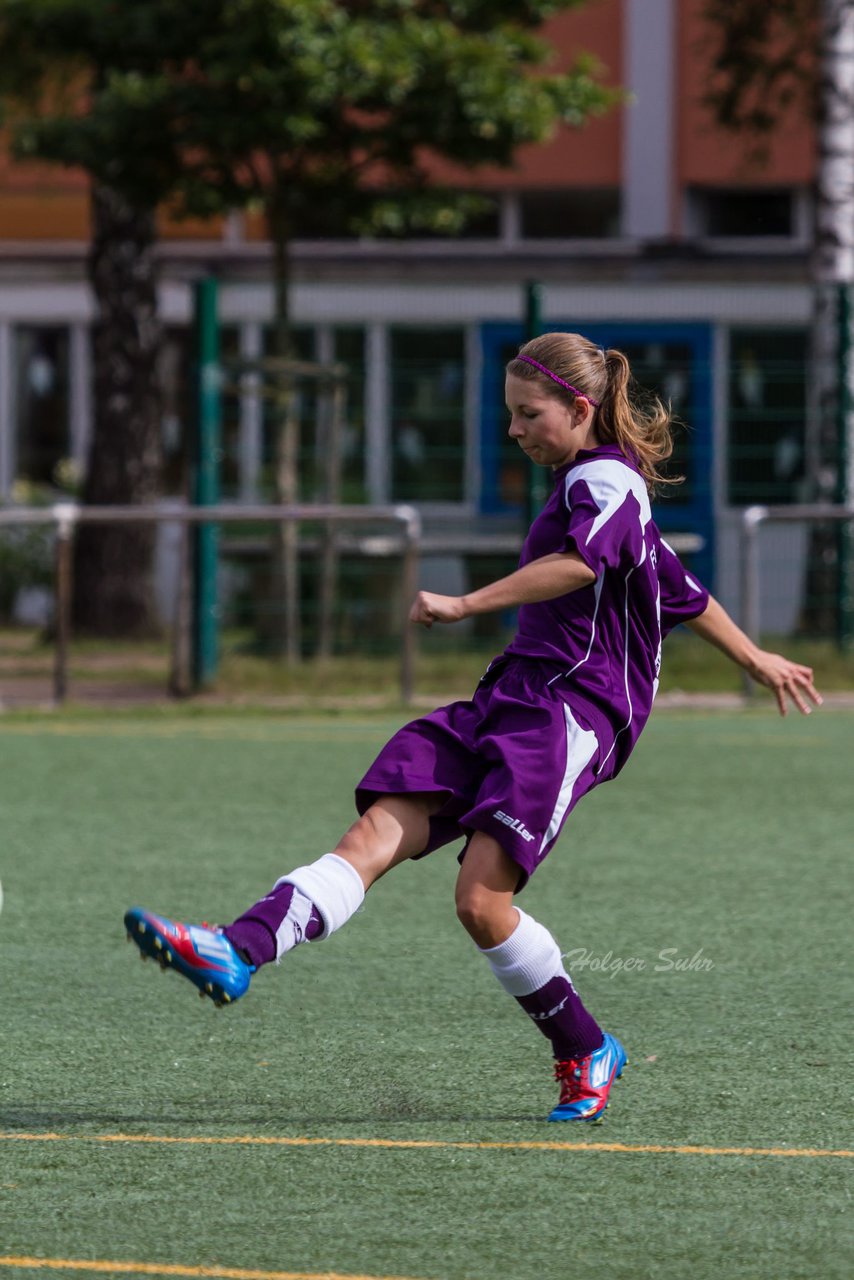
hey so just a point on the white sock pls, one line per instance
(527, 960)
(291, 932)
(333, 885)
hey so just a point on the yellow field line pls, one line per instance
(258, 1140)
(99, 1266)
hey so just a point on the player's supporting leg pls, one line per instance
(312, 902)
(527, 962)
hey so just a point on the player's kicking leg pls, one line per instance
(310, 903)
(527, 962)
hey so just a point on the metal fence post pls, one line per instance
(409, 586)
(844, 414)
(206, 483)
(750, 606)
(180, 673)
(65, 520)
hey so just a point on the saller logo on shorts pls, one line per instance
(514, 823)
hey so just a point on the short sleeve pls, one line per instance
(608, 510)
(682, 596)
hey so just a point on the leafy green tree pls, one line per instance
(796, 56)
(323, 112)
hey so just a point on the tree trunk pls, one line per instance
(113, 573)
(830, 431)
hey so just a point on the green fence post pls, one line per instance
(206, 467)
(537, 487)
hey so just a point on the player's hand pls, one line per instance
(429, 607)
(787, 680)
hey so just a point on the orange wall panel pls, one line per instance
(19, 175)
(709, 155)
(585, 157)
(44, 216)
(254, 226)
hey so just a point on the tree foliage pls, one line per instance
(764, 55)
(329, 110)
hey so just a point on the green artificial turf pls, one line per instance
(724, 845)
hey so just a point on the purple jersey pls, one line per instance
(606, 637)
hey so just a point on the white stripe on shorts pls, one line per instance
(581, 746)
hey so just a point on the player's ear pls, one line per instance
(583, 410)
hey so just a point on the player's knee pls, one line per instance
(360, 839)
(390, 831)
(475, 910)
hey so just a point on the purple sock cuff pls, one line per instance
(255, 932)
(253, 939)
(559, 1013)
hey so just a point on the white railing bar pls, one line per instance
(66, 516)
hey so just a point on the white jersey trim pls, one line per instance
(610, 482)
(597, 591)
(581, 747)
(692, 583)
(625, 675)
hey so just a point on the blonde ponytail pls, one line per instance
(639, 423)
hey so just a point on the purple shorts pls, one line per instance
(513, 762)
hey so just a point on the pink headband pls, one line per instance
(542, 368)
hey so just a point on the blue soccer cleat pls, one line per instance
(200, 953)
(586, 1082)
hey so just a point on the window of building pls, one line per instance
(334, 222)
(744, 212)
(176, 374)
(570, 214)
(173, 369)
(428, 414)
(303, 339)
(767, 411)
(667, 370)
(232, 459)
(483, 223)
(349, 347)
(41, 410)
(326, 220)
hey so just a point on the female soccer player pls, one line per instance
(555, 715)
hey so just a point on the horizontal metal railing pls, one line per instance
(752, 520)
(67, 516)
(406, 542)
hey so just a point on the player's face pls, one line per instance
(549, 432)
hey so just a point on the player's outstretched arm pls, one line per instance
(544, 579)
(786, 679)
